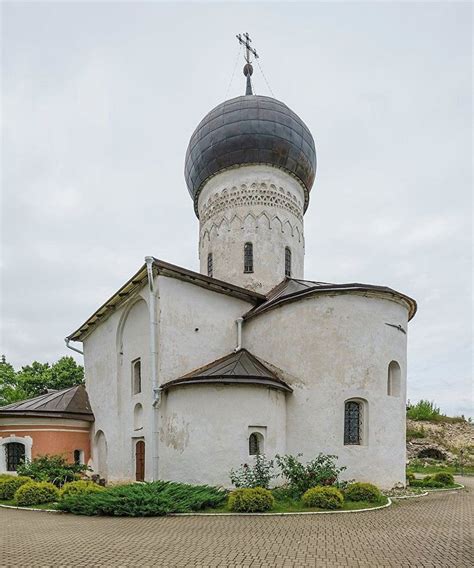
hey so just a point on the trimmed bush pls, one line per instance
(9, 484)
(35, 493)
(79, 487)
(324, 498)
(444, 478)
(144, 499)
(362, 492)
(254, 500)
(410, 477)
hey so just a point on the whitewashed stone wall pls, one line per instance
(205, 430)
(258, 204)
(335, 348)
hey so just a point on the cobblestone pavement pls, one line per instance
(426, 532)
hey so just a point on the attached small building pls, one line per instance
(57, 422)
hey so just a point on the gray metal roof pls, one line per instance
(72, 402)
(240, 367)
(292, 289)
(250, 129)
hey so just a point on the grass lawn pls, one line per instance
(12, 503)
(296, 506)
(429, 469)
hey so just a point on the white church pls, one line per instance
(191, 374)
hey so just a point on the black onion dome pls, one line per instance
(250, 129)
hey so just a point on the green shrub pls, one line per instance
(79, 487)
(444, 477)
(9, 484)
(251, 500)
(410, 477)
(424, 410)
(35, 493)
(258, 475)
(323, 497)
(144, 499)
(55, 469)
(322, 470)
(362, 492)
(416, 483)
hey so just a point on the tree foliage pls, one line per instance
(37, 378)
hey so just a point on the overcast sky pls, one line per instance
(99, 101)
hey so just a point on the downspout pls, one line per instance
(67, 340)
(156, 391)
(239, 322)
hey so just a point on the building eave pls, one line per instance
(138, 281)
(331, 289)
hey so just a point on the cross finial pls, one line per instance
(249, 51)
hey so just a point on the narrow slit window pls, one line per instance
(352, 423)
(288, 262)
(248, 257)
(210, 267)
(137, 377)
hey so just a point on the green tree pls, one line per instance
(36, 379)
(66, 373)
(9, 391)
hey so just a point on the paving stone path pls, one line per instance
(427, 532)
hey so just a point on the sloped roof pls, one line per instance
(240, 367)
(292, 289)
(139, 279)
(72, 402)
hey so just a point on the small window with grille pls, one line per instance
(15, 454)
(210, 267)
(136, 376)
(255, 444)
(287, 262)
(353, 423)
(248, 257)
(78, 457)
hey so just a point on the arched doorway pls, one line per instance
(140, 460)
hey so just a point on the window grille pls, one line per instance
(254, 444)
(209, 265)
(287, 262)
(15, 455)
(352, 423)
(248, 257)
(137, 377)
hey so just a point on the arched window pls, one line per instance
(248, 257)
(15, 455)
(394, 379)
(136, 376)
(353, 422)
(255, 444)
(288, 262)
(209, 265)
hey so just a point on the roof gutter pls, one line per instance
(67, 340)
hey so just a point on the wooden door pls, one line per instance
(140, 461)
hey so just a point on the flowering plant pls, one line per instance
(258, 475)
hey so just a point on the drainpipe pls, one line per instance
(156, 391)
(67, 340)
(239, 322)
